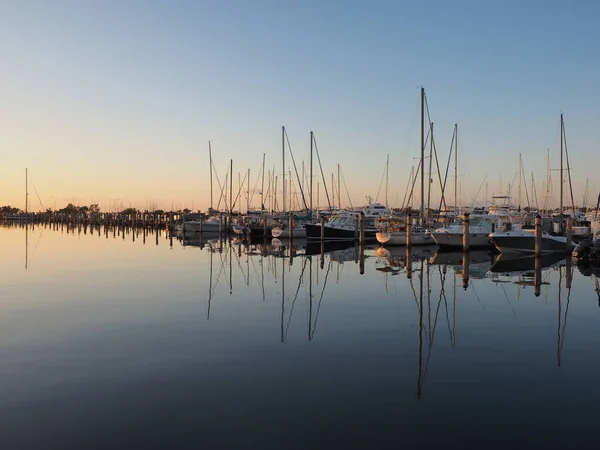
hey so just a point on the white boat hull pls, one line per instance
(284, 233)
(399, 238)
(455, 240)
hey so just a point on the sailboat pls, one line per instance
(295, 225)
(393, 230)
(523, 240)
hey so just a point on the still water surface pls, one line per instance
(126, 341)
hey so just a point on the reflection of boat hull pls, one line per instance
(314, 248)
(399, 238)
(313, 231)
(524, 242)
(252, 231)
(193, 226)
(284, 233)
(515, 265)
(456, 258)
(448, 240)
(422, 251)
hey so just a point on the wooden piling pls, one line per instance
(361, 223)
(538, 235)
(408, 231)
(466, 234)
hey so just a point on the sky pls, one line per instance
(114, 102)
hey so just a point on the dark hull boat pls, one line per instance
(523, 241)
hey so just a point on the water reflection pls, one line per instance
(275, 323)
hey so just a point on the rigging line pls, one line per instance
(568, 167)
(525, 185)
(477, 295)
(412, 189)
(295, 169)
(222, 196)
(321, 298)
(443, 295)
(439, 173)
(36, 246)
(562, 338)
(239, 263)
(412, 170)
(321, 169)
(255, 186)
(221, 270)
(448, 167)
(239, 191)
(381, 183)
(294, 301)
(347, 193)
(36, 191)
(478, 191)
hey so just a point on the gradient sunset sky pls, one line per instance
(114, 102)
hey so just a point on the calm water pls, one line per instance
(111, 341)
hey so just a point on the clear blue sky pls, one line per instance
(115, 100)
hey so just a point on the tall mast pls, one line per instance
(422, 155)
(456, 170)
(311, 173)
(429, 173)
(230, 186)
(262, 188)
(283, 162)
(248, 193)
(520, 171)
(211, 175)
(561, 171)
(26, 193)
(387, 170)
(333, 188)
(339, 190)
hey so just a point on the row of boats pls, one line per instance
(507, 229)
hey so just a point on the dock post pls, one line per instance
(408, 263)
(201, 222)
(538, 235)
(408, 231)
(361, 223)
(466, 235)
(569, 233)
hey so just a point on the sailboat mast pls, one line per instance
(339, 190)
(422, 155)
(430, 165)
(520, 172)
(387, 171)
(26, 192)
(311, 173)
(455, 170)
(561, 172)
(230, 187)
(262, 188)
(283, 163)
(248, 193)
